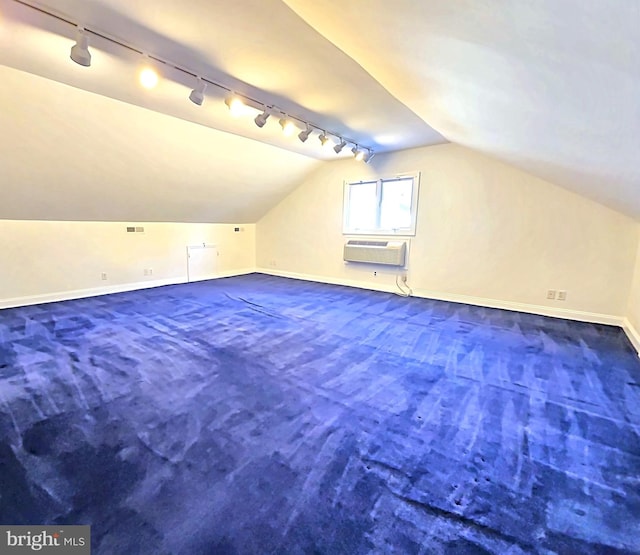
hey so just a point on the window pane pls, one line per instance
(395, 208)
(362, 206)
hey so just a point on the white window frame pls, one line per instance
(404, 231)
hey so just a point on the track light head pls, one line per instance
(357, 153)
(368, 156)
(340, 146)
(80, 50)
(235, 104)
(148, 76)
(288, 127)
(197, 94)
(304, 134)
(323, 138)
(262, 118)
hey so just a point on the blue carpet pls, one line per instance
(266, 415)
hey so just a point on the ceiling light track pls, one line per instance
(81, 55)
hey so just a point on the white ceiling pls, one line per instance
(552, 87)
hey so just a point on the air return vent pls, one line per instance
(390, 253)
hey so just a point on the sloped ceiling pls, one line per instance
(552, 87)
(90, 143)
(259, 48)
(81, 156)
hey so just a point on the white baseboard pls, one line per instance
(581, 316)
(233, 273)
(632, 334)
(229, 273)
(327, 279)
(567, 314)
(84, 293)
(106, 290)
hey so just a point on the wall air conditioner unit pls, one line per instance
(390, 253)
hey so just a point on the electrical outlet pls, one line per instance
(551, 294)
(103, 275)
(150, 271)
(375, 274)
(562, 295)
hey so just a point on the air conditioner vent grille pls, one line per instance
(367, 243)
(390, 253)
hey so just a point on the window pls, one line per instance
(383, 207)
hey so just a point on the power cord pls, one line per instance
(405, 291)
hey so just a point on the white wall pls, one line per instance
(487, 233)
(632, 322)
(49, 260)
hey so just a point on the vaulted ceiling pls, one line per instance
(552, 87)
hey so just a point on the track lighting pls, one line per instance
(323, 138)
(80, 50)
(340, 146)
(262, 118)
(239, 104)
(288, 127)
(197, 94)
(368, 156)
(304, 134)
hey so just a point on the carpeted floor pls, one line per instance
(265, 415)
